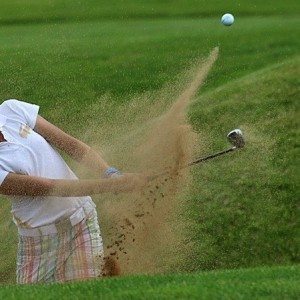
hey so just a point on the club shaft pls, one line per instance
(199, 160)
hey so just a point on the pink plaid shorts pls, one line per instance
(73, 253)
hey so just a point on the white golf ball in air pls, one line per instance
(227, 19)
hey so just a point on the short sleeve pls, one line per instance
(21, 111)
(3, 175)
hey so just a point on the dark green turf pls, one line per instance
(261, 283)
(55, 11)
(244, 204)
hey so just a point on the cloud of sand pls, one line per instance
(144, 231)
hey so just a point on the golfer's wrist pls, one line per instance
(111, 172)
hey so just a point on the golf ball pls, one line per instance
(227, 19)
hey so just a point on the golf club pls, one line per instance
(235, 137)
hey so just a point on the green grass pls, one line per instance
(83, 61)
(243, 205)
(259, 283)
(35, 11)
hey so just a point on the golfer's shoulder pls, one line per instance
(15, 104)
(10, 104)
(20, 110)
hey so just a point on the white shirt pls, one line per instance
(26, 152)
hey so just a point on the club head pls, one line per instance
(236, 138)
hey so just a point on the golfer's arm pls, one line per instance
(75, 148)
(24, 185)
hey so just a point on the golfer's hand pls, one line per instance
(131, 182)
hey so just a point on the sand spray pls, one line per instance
(144, 231)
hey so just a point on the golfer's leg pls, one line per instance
(37, 259)
(28, 260)
(85, 257)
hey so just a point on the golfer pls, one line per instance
(59, 235)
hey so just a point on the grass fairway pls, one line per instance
(259, 283)
(34, 11)
(79, 62)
